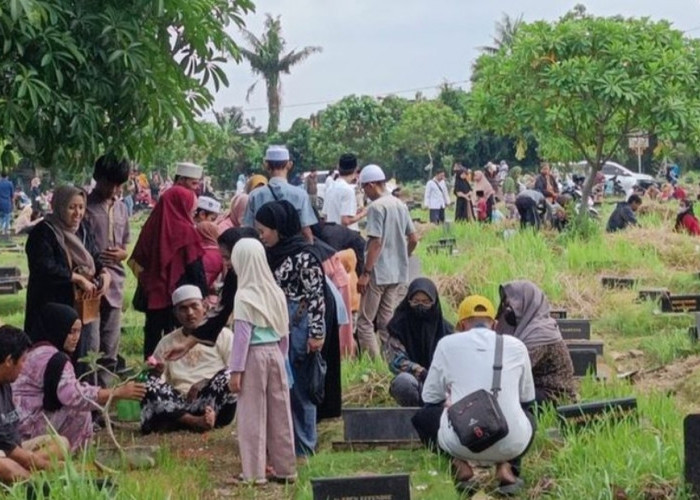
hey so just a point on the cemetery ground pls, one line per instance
(638, 457)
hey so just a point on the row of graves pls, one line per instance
(391, 428)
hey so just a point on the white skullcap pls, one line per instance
(371, 173)
(186, 292)
(189, 170)
(277, 153)
(209, 204)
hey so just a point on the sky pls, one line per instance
(381, 47)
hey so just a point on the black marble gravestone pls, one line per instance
(614, 282)
(557, 313)
(577, 415)
(388, 487)
(691, 440)
(584, 362)
(681, 303)
(585, 345)
(575, 329)
(379, 424)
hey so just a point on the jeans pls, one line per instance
(303, 410)
(5, 222)
(406, 390)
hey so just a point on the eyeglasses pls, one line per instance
(420, 302)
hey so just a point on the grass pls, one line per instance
(641, 457)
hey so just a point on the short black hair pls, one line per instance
(13, 343)
(110, 169)
(439, 171)
(635, 198)
(276, 165)
(3, 173)
(347, 161)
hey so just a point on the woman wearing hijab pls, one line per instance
(168, 254)
(258, 373)
(484, 190)
(211, 260)
(686, 221)
(47, 388)
(524, 313)
(234, 218)
(254, 182)
(414, 332)
(298, 270)
(464, 211)
(63, 259)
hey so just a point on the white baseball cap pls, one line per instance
(277, 153)
(186, 292)
(189, 170)
(371, 173)
(209, 204)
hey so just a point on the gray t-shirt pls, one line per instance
(282, 191)
(389, 220)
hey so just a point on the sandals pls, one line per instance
(241, 481)
(511, 489)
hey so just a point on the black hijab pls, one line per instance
(52, 326)
(419, 333)
(281, 216)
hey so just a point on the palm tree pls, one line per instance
(506, 29)
(266, 59)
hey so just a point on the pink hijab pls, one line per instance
(235, 214)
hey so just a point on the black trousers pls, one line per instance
(437, 215)
(427, 424)
(527, 208)
(159, 322)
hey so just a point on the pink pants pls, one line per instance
(264, 415)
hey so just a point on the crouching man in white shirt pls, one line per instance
(463, 363)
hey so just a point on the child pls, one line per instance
(481, 207)
(261, 327)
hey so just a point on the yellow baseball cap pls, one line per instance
(476, 306)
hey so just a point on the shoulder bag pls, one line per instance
(477, 418)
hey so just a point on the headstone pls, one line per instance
(447, 241)
(557, 313)
(575, 329)
(379, 424)
(578, 415)
(435, 249)
(585, 362)
(681, 303)
(654, 294)
(691, 440)
(585, 345)
(693, 330)
(385, 487)
(615, 282)
(10, 280)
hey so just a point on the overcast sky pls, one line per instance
(379, 47)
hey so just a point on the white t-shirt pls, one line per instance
(462, 364)
(436, 196)
(340, 201)
(200, 363)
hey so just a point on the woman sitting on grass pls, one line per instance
(47, 389)
(524, 313)
(258, 374)
(686, 221)
(414, 332)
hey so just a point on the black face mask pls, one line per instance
(509, 317)
(420, 310)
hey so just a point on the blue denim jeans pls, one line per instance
(5, 222)
(303, 410)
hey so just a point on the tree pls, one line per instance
(80, 77)
(359, 125)
(506, 29)
(426, 128)
(582, 84)
(266, 59)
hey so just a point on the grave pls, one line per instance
(655, 294)
(693, 330)
(10, 280)
(447, 241)
(615, 282)
(585, 345)
(380, 487)
(585, 362)
(557, 313)
(435, 249)
(379, 424)
(681, 303)
(575, 329)
(578, 415)
(691, 445)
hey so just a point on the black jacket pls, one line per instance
(342, 238)
(49, 274)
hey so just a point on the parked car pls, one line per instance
(624, 175)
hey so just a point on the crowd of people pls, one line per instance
(249, 312)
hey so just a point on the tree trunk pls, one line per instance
(587, 188)
(273, 106)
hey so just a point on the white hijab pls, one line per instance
(258, 299)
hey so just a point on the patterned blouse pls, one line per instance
(301, 277)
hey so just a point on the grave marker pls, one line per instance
(384, 487)
(379, 424)
(615, 282)
(681, 303)
(578, 415)
(586, 345)
(575, 329)
(585, 362)
(691, 445)
(10, 282)
(447, 249)
(557, 313)
(655, 294)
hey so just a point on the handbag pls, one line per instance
(317, 378)
(477, 418)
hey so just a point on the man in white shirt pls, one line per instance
(436, 197)
(340, 202)
(193, 391)
(462, 364)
